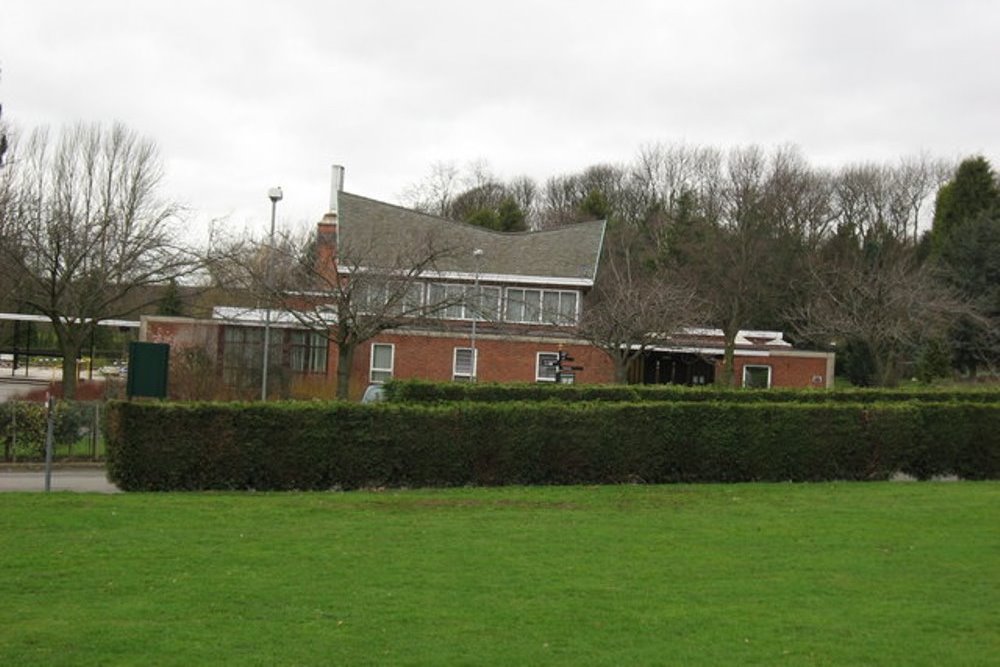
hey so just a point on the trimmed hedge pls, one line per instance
(422, 391)
(277, 446)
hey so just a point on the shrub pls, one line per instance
(422, 391)
(161, 446)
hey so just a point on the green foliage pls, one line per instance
(170, 303)
(23, 427)
(595, 205)
(934, 361)
(972, 192)
(484, 217)
(966, 245)
(274, 446)
(422, 391)
(506, 217)
(510, 216)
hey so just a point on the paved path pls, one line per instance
(87, 480)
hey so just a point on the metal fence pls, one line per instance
(76, 430)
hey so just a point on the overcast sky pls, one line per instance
(245, 95)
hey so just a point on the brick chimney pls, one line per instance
(328, 231)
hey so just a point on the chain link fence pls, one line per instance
(76, 434)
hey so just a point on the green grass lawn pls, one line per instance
(819, 574)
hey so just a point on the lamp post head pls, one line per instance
(274, 194)
(478, 252)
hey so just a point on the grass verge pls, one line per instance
(815, 574)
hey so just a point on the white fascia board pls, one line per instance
(507, 278)
(257, 316)
(23, 317)
(711, 351)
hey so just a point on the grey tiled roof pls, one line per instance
(384, 232)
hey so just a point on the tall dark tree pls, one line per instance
(170, 302)
(972, 192)
(965, 242)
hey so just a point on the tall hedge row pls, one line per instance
(154, 446)
(422, 391)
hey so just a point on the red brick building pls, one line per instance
(475, 305)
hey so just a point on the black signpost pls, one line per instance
(559, 363)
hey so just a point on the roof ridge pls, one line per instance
(469, 225)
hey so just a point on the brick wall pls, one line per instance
(431, 357)
(790, 369)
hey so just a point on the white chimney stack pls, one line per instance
(336, 185)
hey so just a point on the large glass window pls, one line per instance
(445, 300)
(460, 302)
(382, 362)
(242, 349)
(402, 297)
(532, 306)
(307, 352)
(484, 305)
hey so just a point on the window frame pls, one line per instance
(539, 377)
(767, 367)
(372, 370)
(560, 316)
(314, 349)
(463, 297)
(464, 377)
(242, 354)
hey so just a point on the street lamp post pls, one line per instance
(274, 194)
(476, 255)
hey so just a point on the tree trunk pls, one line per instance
(70, 351)
(345, 360)
(885, 368)
(729, 359)
(621, 368)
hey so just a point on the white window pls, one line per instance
(486, 307)
(757, 377)
(464, 366)
(542, 306)
(459, 302)
(545, 366)
(382, 358)
(392, 297)
(408, 298)
(447, 301)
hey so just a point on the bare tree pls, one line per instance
(632, 308)
(348, 299)
(434, 194)
(883, 299)
(747, 263)
(884, 198)
(85, 228)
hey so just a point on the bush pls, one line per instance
(24, 425)
(164, 446)
(22, 429)
(422, 391)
